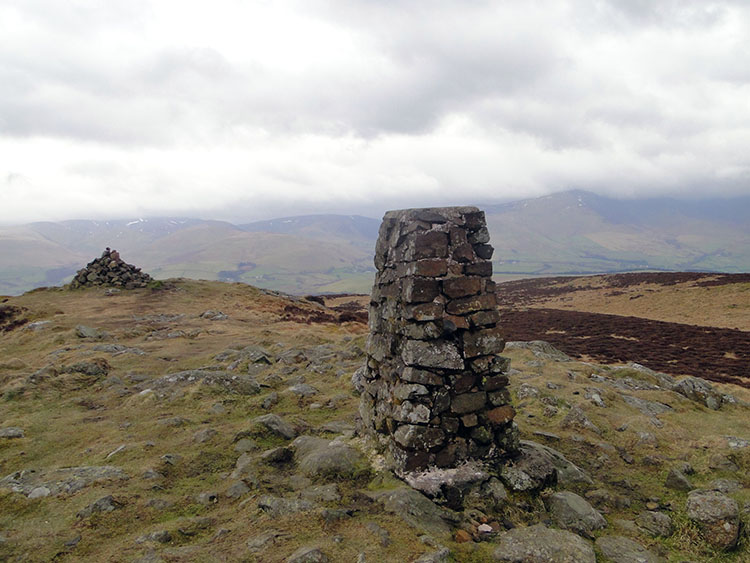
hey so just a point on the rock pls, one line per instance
(415, 509)
(720, 462)
(276, 425)
(655, 523)
(698, 390)
(307, 554)
(159, 536)
(619, 549)
(205, 435)
(39, 492)
(384, 538)
(279, 506)
(439, 556)
(540, 466)
(539, 544)
(677, 480)
(650, 408)
(104, 504)
(725, 485)
(237, 490)
(327, 459)
(207, 498)
(227, 380)
(422, 438)
(263, 541)
(358, 379)
(540, 349)
(11, 432)
(244, 445)
(97, 367)
(214, 315)
(322, 493)
(432, 355)
(65, 480)
(244, 470)
(111, 271)
(270, 401)
(717, 516)
(576, 418)
(574, 513)
(303, 390)
(91, 333)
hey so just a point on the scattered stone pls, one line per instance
(11, 432)
(698, 390)
(384, 538)
(39, 492)
(270, 400)
(650, 408)
(244, 445)
(725, 485)
(415, 509)
(720, 462)
(576, 418)
(159, 504)
(205, 435)
(439, 556)
(218, 408)
(717, 517)
(574, 513)
(619, 549)
(736, 443)
(65, 480)
(91, 333)
(540, 349)
(237, 490)
(97, 367)
(303, 390)
(276, 425)
(264, 540)
(104, 504)
(279, 506)
(227, 380)
(677, 480)
(539, 544)
(214, 315)
(207, 498)
(307, 554)
(540, 466)
(244, 470)
(317, 457)
(160, 536)
(655, 523)
(322, 493)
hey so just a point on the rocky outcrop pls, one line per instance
(110, 270)
(434, 387)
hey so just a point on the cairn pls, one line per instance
(110, 270)
(434, 388)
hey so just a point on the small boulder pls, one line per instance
(307, 554)
(698, 390)
(104, 504)
(677, 480)
(655, 523)
(717, 516)
(11, 432)
(619, 549)
(276, 425)
(574, 513)
(543, 545)
(327, 459)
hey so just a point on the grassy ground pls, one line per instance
(72, 420)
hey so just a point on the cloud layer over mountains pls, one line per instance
(248, 109)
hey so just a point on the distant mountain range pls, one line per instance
(571, 232)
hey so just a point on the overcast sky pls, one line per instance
(247, 109)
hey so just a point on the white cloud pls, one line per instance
(248, 108)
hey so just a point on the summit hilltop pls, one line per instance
(209, 421)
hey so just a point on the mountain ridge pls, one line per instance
(566, 233)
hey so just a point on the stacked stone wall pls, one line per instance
(110, 270)
(434, 386)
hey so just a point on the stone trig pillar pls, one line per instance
(435, 388)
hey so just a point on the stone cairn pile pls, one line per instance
(434, 388)
(110, 270)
